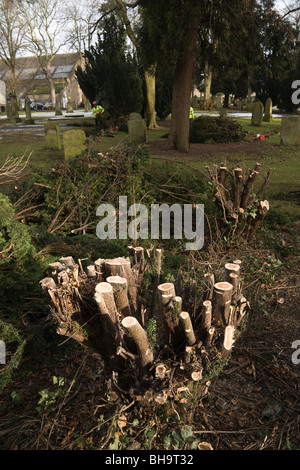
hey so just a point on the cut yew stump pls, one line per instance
(154, 348)
(238, 200)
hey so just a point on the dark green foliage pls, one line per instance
(15, 242)
(164, 90)
(111, 76)
(220, 130)
(14, 347)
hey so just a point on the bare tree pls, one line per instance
(80, 23)
(45, 33)
(12, 30)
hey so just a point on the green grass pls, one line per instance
(285, 161)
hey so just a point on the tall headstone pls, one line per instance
(268, 116)
(8, 108)
(74, 142)
(28, 118)
(219, 100)
(290, 131)
(52, 135)
(14, 114)
(257, 113)
(249, 100)
(58, 111)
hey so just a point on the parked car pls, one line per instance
(34, 105)
(47, 105)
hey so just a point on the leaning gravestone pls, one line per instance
(74, 142)
(52, 135)
(268, 117)
(257, 113)
(290, 131)
(136, 128)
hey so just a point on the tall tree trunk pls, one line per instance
(207, 83)
(51, 84)
(182, 87)
(150, 92)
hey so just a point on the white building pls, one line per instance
(2, 95)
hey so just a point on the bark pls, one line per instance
(182, 87)
(221, 303)
(139, 336)
(207, 84)
(150, 94)
(188, 328)
(51, 84)
(120, 290)
(122, 267)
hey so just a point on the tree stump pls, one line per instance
(161, 352)
(241, 209)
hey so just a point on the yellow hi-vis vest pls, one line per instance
(191, 113)
(97, 110)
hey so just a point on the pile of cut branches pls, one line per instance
(157, 346)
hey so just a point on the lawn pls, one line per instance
(285, 161)
(59, 398)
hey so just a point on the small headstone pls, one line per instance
(74, 142)
(257, 113)
(137, 130)
(69, 107)
(223, 112)
(268, 116)
(52, 135)
(290, 131)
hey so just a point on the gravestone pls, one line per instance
(13, 114)
(290, 131)
(74, 142)
(69, 107)
(28, 118)
(194, 102)
(136, 128)
(223, 112)
(257, 113)
(52, 135)
(249, 100)
(8, 108)
(268, 117)
(58, 111)
(219, 100)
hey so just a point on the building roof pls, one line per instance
(28, 68)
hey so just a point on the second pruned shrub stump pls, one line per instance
(239, 202)
(155, 346)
